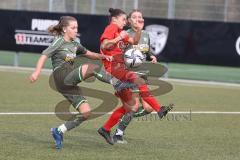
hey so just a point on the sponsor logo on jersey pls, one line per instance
(142, 47)
(158, 37)
(122, 45)
(70, 57)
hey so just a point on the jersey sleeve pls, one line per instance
(81, 50)
(109, 33)
(51, 50)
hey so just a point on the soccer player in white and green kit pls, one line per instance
(66, 73)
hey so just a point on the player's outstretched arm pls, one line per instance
(97, 56)
(108, 44)
(41, 61)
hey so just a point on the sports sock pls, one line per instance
(69, 125)
(140, 112)
(62, 128)
(114, 118)
(124, 122)
(146, 95)
(103, 76)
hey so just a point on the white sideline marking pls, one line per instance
(23, 69)
(198, 82)
(185, 81)
(180, 112)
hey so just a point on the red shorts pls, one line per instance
(125, 94)
(124, 75)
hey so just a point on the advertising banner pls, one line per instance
(182, 41)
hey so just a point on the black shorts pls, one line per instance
(66, 79)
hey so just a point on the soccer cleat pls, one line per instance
(119, 139)
(106, 135)
(58, 137)
(164, 110)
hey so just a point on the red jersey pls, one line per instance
(111, 32)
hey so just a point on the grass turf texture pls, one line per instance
(199, 136)
(183, 71)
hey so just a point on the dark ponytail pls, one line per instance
(63, 22)
(115, 12)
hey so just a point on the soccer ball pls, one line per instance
(133, 58)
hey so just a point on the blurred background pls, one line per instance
(200, 46)
(201, 43)
(212, 10)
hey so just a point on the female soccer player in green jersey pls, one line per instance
(144, 46)
(66, 72)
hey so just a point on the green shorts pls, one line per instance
(66, 79)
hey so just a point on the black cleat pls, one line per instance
(164, 110)
(119, 139)
(106, 135)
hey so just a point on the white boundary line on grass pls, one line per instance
(188, 82)
(177, 112)
(23, 69)
(198, 82)
(185, 81)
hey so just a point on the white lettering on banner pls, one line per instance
(33, 39)
(42, 24)
(38, 34)
(238, 45)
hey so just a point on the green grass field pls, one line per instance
(179, 136)
(175, 70)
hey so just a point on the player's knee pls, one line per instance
(93, 68)
(148, 109)
(132, 106)
(85, 110)
(86, 115)
(135, 108)
(96, 68)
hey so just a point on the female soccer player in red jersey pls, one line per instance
(144, 46)
(113, 40)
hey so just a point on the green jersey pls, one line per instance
(144, 42)
(61, 51)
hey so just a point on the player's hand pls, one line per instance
(123, 34)
(108, 58)
(154, 59)
(140, 24)
(33, 77)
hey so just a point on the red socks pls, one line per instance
(114, 118)
(146, 95)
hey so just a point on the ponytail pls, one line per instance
(63, 22)
(115, 12)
